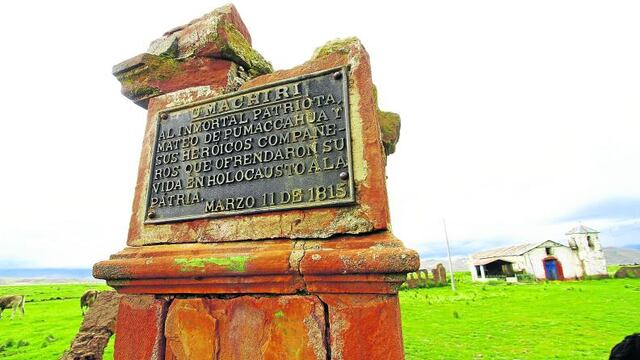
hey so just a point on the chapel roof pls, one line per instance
(581, 229)
(515, 250)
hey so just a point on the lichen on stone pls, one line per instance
(143, 91)
(220, 34)
(213, 35)
(165, 46)
(232, 263)
(389, 127)
(236, 48)
(342, 46)
(140, 79)
(389, 121)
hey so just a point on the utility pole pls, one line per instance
(453, 281)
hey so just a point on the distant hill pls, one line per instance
(45, 276)
(621, 256)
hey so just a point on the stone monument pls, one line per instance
(260, 226)
(439, 274)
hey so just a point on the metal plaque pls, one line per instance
(285, 145)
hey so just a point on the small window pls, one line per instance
(590, 242)
(549, 251)
(572, 244)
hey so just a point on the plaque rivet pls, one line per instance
(344, 175)
(164, 116)
(151, 214)
(337, 75)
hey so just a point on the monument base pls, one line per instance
(273, 299)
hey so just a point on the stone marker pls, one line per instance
(412, 280)
(260, 225)
(439, 274)
(418, 279)
(98, 325)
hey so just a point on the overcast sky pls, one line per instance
(519, 119)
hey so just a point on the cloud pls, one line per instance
(626, 234)
(617, 219)
(613, 208)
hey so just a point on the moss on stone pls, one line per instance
(389, 121)
(342, 46)
(233, 263)
(389, 126)
(155, 68)
(143, 92)
(390, 129)
(237, 48)
(166, 67)
(141, 82)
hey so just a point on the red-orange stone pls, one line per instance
(369, 213)
(139, 328)
(269, 328)
(316, 283)
(364, 326)
(191, 332)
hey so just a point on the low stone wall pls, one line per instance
(421, 279)
(628, 272)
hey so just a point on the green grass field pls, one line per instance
(546, 320)
(52, 318)
(555, 320)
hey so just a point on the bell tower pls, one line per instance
(586, 242)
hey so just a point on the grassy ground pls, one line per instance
(611, 269)
(555, 320)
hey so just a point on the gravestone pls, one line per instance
(418, 279)
(412, 280)
(260, 226)
(439, 274)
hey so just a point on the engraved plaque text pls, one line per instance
(286, 145)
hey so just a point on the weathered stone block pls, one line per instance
(369, 213)
(140, 328)
(214, 50)
(146, 76)
(372, 264)
(191, 332)
(269, 328)
(364, 327)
